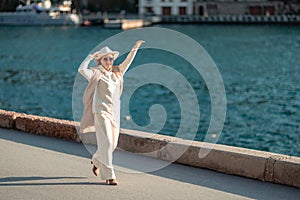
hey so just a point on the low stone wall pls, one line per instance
(62, 129)
(265, 166)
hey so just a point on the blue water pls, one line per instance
(258, 63)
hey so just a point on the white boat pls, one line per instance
(41, 12)
(125, 24)
(112, 23)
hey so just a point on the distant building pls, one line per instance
(217, 7)
(240, 7)
(166, 7)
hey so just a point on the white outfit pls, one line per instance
(106, 111)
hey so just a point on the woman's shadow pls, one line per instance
(36, 181)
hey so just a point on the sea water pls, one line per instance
(259, 65)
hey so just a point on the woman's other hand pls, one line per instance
(138, 43)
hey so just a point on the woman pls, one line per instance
(101, 102)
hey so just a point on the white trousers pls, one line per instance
(107, 139)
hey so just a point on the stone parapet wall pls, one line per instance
(265, 166)
(62, 129)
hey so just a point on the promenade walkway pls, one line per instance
(39, 167)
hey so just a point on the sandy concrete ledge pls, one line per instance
(265, 166)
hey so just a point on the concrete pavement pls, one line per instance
(39, 167)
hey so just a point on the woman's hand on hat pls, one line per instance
(95, 55)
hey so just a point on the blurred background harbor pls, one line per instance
(138, 13)
(259, 63)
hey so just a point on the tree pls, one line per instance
(8, 5)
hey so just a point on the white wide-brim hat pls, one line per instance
(104, 51)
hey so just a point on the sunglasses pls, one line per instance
(108, 59)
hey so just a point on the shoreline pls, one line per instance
(233, 19)
(197, 19)
(260, 165)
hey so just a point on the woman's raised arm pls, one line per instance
(127, 62)
(83, 68)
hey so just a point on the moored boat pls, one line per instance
(41, 12)
(125, 24)
(112, 23)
